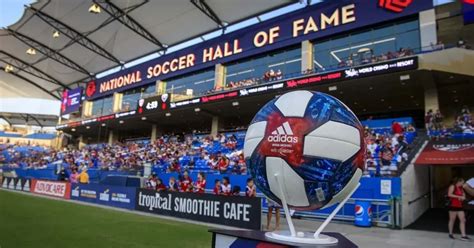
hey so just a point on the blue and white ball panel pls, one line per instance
(255, 134)
(332, 140)
(294, 104)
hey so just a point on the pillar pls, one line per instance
(431, 95)
(153, 132)
(117, 102)
(160, 87)
(219, 76)
(113, 137)
(215, 125)
(87, 108)
(307, 56)
(81, 142)
(428, 31)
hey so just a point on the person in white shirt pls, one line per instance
(469, 188)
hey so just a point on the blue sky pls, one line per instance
(11, 11)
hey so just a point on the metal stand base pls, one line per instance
(301, 237)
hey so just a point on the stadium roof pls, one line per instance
(123, 31)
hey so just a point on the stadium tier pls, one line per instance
(354, 110)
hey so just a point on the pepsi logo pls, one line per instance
(359, 210)
(396, 6)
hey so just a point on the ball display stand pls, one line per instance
(305, 237)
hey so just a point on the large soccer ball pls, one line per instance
(312, 143)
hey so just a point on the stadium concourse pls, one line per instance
(151, 119)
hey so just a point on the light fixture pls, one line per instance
(8, 68)
(103, 124)
(94, 8)
(197, 109)
(235, 104)
(168, 114)
(121, 122)
(382, 100)
(31, 51)
(73, 129)
(332, 88)
(144, 118)
(87, 127)
(56, 34)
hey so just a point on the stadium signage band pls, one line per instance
(154, 103)
(115, 196)
(313, 22)
(50, 188)
(235, 211)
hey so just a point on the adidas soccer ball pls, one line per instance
(310, 142)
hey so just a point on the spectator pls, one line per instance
(226, 187)
(160, 186)
(397, 128)
(73, 178)
(63, 175)
(217, 187)
(172, 185)
(438, 120)
(151, 182)
(251, 189)
(236, 191)
(84, 176)
(223, 164)
(200, 186)
(273, 207)
(429, 120)
(456, 197)
(186, 183)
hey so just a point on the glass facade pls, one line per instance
(130, 99)
(367, 45)
(103, 106)
(286, 61)
(199, 83)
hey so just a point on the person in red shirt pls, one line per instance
(456, 197)
(217, 187)
(186, 183)
(200, 186)
(160, 186)
(226, 187)
(223, 164)
(251, 190)
(397, 128)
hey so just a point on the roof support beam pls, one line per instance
(6, 119)
(122, 16)
(207, 10)
(74, 35)
(30, 69)
(34, 118)
(31, 82)
(48, 52)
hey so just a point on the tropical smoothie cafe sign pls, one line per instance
(312, 22)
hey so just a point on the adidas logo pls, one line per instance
(283, 133)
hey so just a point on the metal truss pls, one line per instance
(31, 82)
(30, 69)
(121, 15)
(48, 52)
(207, 10)
(6, 119)
(74, 35)
(27, 118)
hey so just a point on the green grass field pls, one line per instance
(28, 221)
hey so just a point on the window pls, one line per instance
(286, 61)
(198, 83)
(363, 46)
(102, 106)
(130, 99)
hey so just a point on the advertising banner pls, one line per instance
(313, 22)
(51, 188)
(20, 184)
(71, 100)
(447, 152)
(115, 196)
(468, 11)
(235, 211)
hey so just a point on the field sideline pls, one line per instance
(29, 221)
